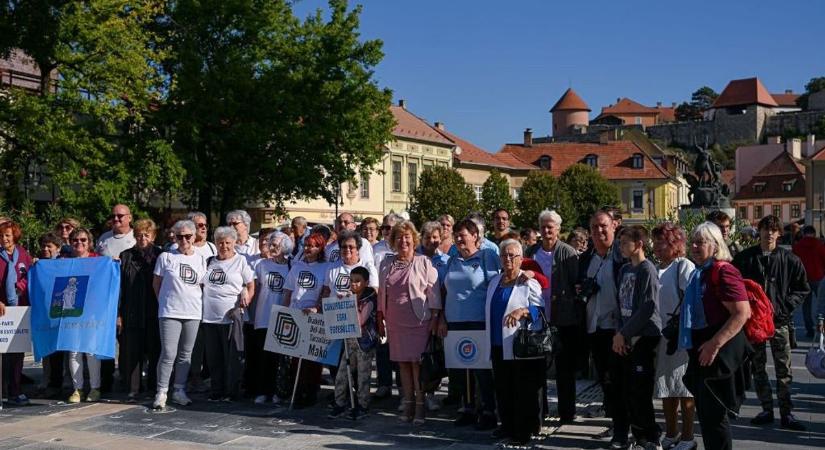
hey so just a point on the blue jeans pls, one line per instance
(808, 305)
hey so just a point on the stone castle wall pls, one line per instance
(801, 123)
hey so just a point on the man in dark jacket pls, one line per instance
(560, 263)
(782, 276)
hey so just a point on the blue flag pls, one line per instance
(74, 305)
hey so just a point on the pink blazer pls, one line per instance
(424, 294)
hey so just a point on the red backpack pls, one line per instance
(759, 327)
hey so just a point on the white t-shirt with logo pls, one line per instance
(180, 295)
(225, 279)
(206, 250)
(271, 278)
(337, 278)
(112, 245)
(333, 254)
(306, 280)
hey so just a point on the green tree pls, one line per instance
(541, 191)
(266, 107)
(814, 85)
(441, 190)
(85, 124)
(495, 194)
(588, 191)
(700, 100)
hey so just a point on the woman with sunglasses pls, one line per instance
(64, 229)
(82, 243)
(178, 277)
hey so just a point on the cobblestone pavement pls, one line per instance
(112, 424)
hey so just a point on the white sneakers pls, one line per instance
(160, 400)
(179, 396)
(260, 400)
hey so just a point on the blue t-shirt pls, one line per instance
(465, 281)
(498, 306)
(489, 245)
(440, 261)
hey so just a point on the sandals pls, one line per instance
(420, 412)
(408, 411)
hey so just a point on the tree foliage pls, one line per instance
(441, 190)
(588, 191)
(541, 191)
(701, 100)
(814, 85)
(495, 194)
(266, 107)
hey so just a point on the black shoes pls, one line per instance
(486, 422)
(465, 419)
(500, 433)
(763, 418)
(789, 422)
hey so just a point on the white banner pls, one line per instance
(15, 330)
(467, 349)
(341, 317)
(293, 333)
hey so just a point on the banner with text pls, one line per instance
(341, 317)
(293, 333)
(15, 330)
(467, 349)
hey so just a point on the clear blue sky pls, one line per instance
(489, 69)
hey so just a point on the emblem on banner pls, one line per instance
(467, 350)
(68, 296)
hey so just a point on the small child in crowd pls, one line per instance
(361, 350)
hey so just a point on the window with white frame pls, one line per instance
(396, 176)
(776, 210)
(796, 211)
(365, 186)
(477, 190)
(412, 176)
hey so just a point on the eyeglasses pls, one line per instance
(509, 256)
(184, 236)
(200, 225)
(235, 224)
(80, 240)
(385, 227)
(118, 216)
(65, 226)
(349, 247)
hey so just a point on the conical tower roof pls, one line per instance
(570, 101)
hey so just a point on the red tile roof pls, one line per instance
(819, 155)
(666, 114)
(786, 100)
(615, 158)
(628, 106)
(773, 177)
(472, 154)
(748, 91)
(410, 126)
(570, 101)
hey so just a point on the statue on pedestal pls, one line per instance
(706, 187)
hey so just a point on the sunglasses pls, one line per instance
(118, 216)
(66, 226)
(200, 225)
(184, 236)
(386, 227)
(234, 224)
(80, 240)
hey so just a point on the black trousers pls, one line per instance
(261, 365)
(56, 370)
(633, 376)
(601, 348)
(486, 389)
(518, 386)
(140, 347)
(224, 361)
(566, 361)
(196, 369)
(712, 415)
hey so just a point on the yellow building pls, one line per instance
(416, 146)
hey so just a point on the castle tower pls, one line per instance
(569, 112)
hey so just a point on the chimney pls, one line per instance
(618, 99)
(810, 148)
(402, 103)
(528, 137)
(794, 147)
(774, 139)
(440, 126)
(673, 105)
(658, 104)
(789, 91)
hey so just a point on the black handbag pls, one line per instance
(529, 343)
(433, 368)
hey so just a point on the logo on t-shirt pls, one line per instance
(188, 274)
(218, 277)
(275, 282)
(306, 279)
(334, 255)
(286, 330)
(475, 266)
(342, 282)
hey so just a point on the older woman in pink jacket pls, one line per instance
(15, 263)
(410, 305)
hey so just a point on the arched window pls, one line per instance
(545, 162)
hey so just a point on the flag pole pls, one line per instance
(349, 376)
(1, 381)
(295, 387)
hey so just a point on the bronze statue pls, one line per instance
(706, 187)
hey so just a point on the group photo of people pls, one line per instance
(659, 317)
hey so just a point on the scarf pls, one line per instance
(692, 314)
(11, 275)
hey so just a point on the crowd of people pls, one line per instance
(192, 309)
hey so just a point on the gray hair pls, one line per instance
(709, 232)
(552, 216)
(510, 243)
(286, 242)
(221, 233)
(240, 214)
(431, 226)
(181, 225)
(479, 221)
(392, 218)
(195, 214)
(299, 220)
(347, 235)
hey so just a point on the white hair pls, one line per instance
(221, 233)
(286, 241)
(510, 243)
(709, 232)
(552, 216)
(181, 225)
(195, 214)
(240, 214)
